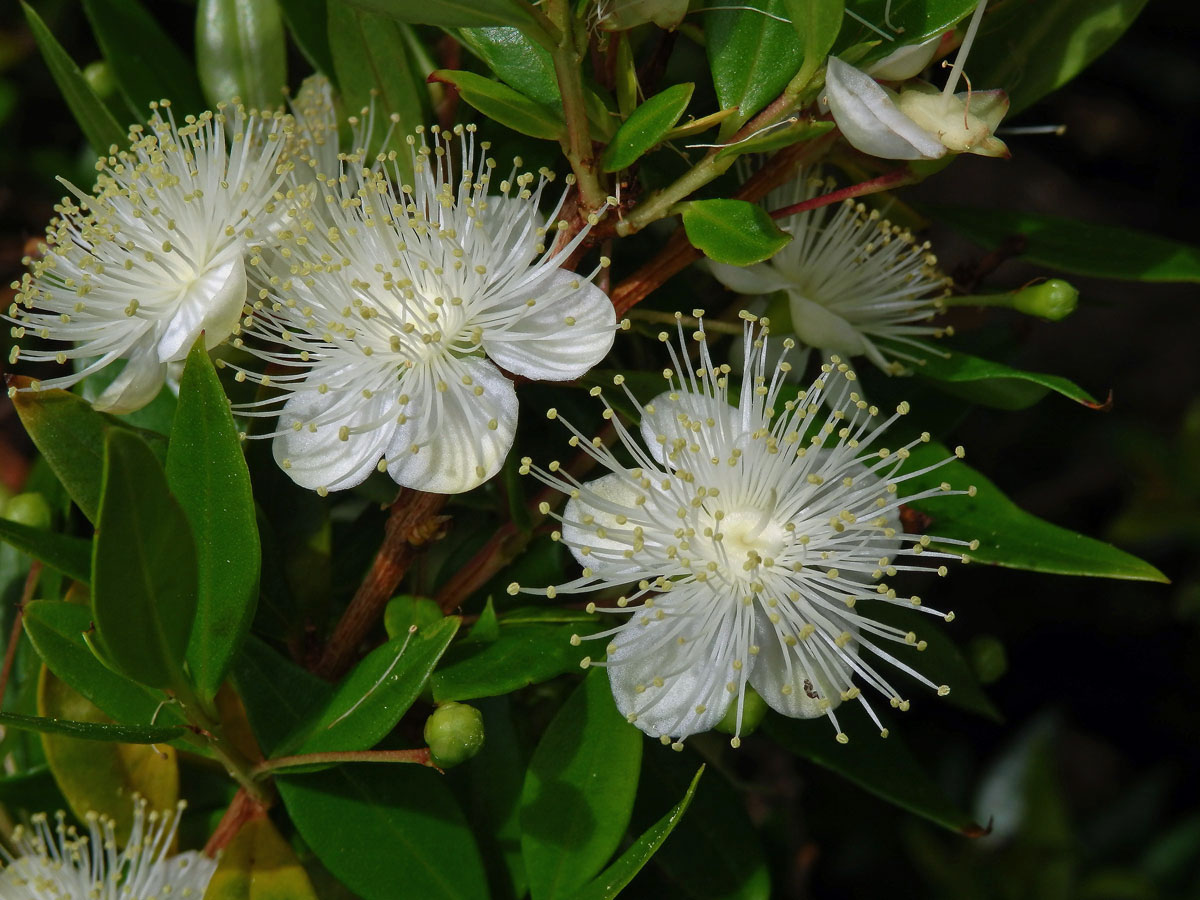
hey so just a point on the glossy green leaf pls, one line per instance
(752, 56)
(386, 831)
(277, 693)
(993, 383)
(1068, 245)
(93, 731)
(645, 127)
(883, 766)
(522, 654)
(911, 22)
(70, 555)
(516, 60)
(500, 102)
(579, 791)
(241, 51)
(715, 852)
(1032, 47)
(612, 880)
(370, 60)
(207, 474)
(56, 629)
(451, 13)
(95, 121)
(495, 778)
(307, 20)
(733, 231)
(798, 130)
(818, 23)
(1009, 536)
(372, 698)
(144, 60)
(143, 567)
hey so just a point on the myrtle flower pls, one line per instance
(751, 538)
(851, 278)
(57, 862)
(393, 317)
(155, 255)
(920, 121)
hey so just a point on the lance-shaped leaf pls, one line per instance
(904, 21)
(451, 13)
(95, 121)
(579, 791)
(733, 231)
(93, 731)
(307, 21)
(241, 51)
(143, 567)
(818, 23)
(753, 54)
(500, 102)
(646, 126)
(207, 474)
(70, 555)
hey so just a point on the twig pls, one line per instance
(14, 634)
(419, 756)
(893, 179)
(243, 809)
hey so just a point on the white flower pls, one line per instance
(756, 541)
(919, 122)
(393, 308)
(155, 255)
(850, 276)
(58, 863)
(907, 61)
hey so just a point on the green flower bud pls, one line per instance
(99, 77)
(405, 611)
(1054, 300)
(454, 734)
(754, 709)
(988, 658)
(28, 509)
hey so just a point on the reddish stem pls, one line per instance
(14, 634)
(885, 182)
(243, 809)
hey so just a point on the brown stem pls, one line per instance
(14, 634)
(895, 178)
(243, 809)
(420, 756)
(413, 521)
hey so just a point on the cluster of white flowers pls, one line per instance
(56, 862)
(756, 534)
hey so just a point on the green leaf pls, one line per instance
(370, 59)
(1033, 48)
(307, 20)
(1104, 251)
(241, 51)
(207, 474)
(733, 231)
(579, 791)
(93, 731)
(752, 56)
(56, 629)
(992, 383)
(799, 130)
(373, 697)
(493, 793)
(451, 13)
(613, 879)
(387, 831)
(146, 63)
(818, 23)
(518, 61)
(1009, 536)
(645, 127)
(277, 693)
(143, 567)
(885, 767)
(500, 102)
(70, 555)
(522, 654)
(912, 21)
(95, 121)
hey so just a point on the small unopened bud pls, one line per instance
(28, 509)
(454, 733)
(988, 658)
(100, 78)
(1053, 300)
(754, 709)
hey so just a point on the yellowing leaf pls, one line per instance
(259, 865)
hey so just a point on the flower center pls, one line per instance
(742, 541)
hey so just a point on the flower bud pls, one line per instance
(1053, 300)
(988, 658)
(454, 733)
(906, 62)
(28, 509)
(99, 76)
(754, 709)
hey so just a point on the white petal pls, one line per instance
(662, 425)
(605, 554)
(460, 438)
(819, 327)
(511, 226)
(869, 119)
(568, 330)
(760, 278)
(138, 384)
(905, 62)
(212, 303)
(693, 696)
(785, 682)
(320, 458)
